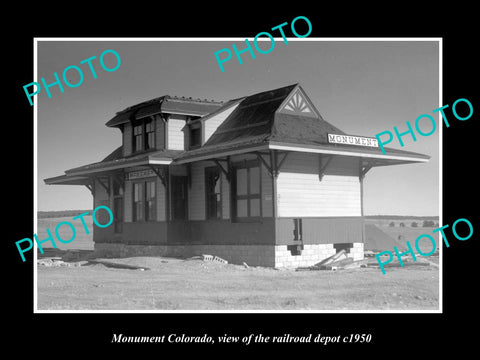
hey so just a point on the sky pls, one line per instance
(361, 87)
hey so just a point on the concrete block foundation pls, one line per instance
(278, 256)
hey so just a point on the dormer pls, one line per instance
(161, 124)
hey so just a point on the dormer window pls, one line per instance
(195, 135)
(143, 134)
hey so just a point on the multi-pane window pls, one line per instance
(213, 193)
(144, 134)
(144, 201)
(247, 191)
(149, 134)
(138, 202)
(138, 137)
(150, 201)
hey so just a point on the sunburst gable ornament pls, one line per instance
(297, 104)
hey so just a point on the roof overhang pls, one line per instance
(375, 159)
(67, 180)
(387, 159)
(122, 165)
(82, 176)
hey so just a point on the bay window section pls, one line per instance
(247, 191)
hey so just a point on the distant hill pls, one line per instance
(400, 217)
(62, 213)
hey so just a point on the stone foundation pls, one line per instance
(312, 254)
(277, 256)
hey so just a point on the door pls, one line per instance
(179, 197)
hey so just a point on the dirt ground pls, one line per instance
(179, 284)
(194, 284)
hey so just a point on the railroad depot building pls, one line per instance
(261, 179)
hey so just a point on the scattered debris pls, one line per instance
(341, 261)
(246, 265)
(220, 260)
(369, 253)
(57, 262)
(338, 256)
(117, 266)
(406, 263)
(214, 258)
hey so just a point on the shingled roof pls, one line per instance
(165, 104)
(281, 117)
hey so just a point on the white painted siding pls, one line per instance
(176, 137)
(302, 194)
(211, 124)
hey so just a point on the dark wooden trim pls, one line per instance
(232, 183)
(165, 120)
(364, 170)
(118, 178)
(205, 171)
(279, 165)
(360, 178)
(89, 187)
(268, 166)
(323, 167)
(160, 175)
(106, 187)
(166, 186)
(274, 177)
(226, 172)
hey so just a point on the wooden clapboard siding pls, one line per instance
(267, 196)
(127, 139)
(321, 230)
(302, 194)
(176, 136)
(196, 194)
(225, 197)
(128, 202)
(211, 124)
(159, 133)
(145, 233)
(102, 198)
(161, 199)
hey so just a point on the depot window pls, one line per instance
(247, 191)
(144, 134)
(144, 201)
(195, 136)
